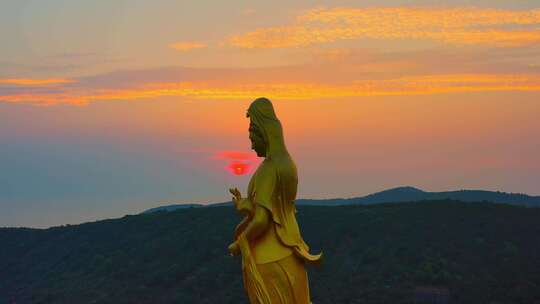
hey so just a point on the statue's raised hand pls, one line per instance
(237, 195)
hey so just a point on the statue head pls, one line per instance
(266, 135)
(257, 140)
(265, 132)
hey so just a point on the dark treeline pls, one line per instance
(479, 252)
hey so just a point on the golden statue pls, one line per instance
(268, 238)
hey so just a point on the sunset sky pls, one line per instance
(109, 108)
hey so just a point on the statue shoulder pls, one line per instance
(267, 169)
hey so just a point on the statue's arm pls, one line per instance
(244, 206)
(241, 227)
(260, 202)
(251, 228)
(256, 208)
(258, 225)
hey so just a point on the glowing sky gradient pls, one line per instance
(112, 107)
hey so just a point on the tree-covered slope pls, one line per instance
(482, 253)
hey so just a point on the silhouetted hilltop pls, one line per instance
(398, 195)
(410, 194)
(382, 253)
(173, 207)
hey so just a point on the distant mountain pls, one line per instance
(172, 207)
(184, 206)
(412, 194)
(399, 195)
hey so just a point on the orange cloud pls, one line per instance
(459, 26)
(412, 85)
(187, 46)
(34, 82)
(45, 99)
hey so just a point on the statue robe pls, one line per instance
(267, 189)
(280, 253)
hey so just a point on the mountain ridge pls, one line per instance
(400, 194)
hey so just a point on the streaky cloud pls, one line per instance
(34, 82)
(456, 26)
(429, 84)
(333, 73)
(186, 46)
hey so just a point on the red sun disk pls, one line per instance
(238, 168)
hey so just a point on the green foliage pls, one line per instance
(481, 252)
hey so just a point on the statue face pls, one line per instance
(257, 140)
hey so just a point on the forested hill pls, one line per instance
(386, 253)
